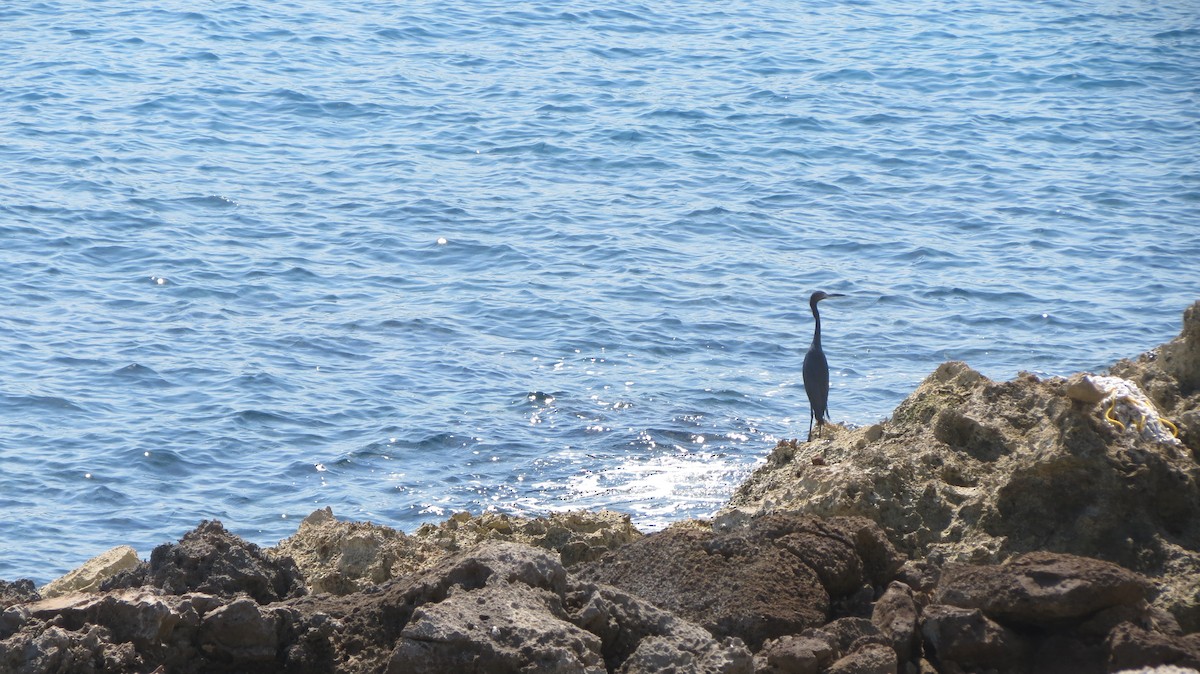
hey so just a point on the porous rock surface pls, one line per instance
(343, 557)
(756, 579)
(210, 559)
(972, 470)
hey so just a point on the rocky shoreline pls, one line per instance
(1022, 526)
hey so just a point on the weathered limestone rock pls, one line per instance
(343, 557)
(771, 576)
(508, 626)
(211, 560)
(578, 536)
(87, 578)
(975, 471)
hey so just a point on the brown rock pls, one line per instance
(1041, 588)
(966, 639)
(141, 617)
(851, 634)
(1181, 357)
(729, 584)
(754, 577)
(870, 659)
(50, 648)
(1083, 388)
(794, 654)
(896, 615)
(1130, 646)
(240, 632)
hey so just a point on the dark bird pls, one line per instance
(816, 370)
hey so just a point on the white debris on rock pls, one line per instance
(1127, 408)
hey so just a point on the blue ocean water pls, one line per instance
(411, 258)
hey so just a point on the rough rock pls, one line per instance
(1042, 588)
(141, 617)
(795, 654)
(1130, 646)
(344, 557)
(768, 577)
(961, 639)
(510, 607)
(211, 560)
(896, 616)
(501, 607)
(17, 592)
(90, 574)
(510, 626)
(976, 471)
(870, 659)
(639, 637)
(47, 648)
(578, 535)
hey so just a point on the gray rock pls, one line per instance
(211, 560)
(240, 632)
(17, 592)
(503, 626)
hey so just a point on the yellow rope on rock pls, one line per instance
(1110, 418)
(1168, 424)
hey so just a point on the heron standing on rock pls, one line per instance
(816, 370)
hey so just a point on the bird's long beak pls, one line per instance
(828, 295)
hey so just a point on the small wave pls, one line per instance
(42, 403)
(846, 75)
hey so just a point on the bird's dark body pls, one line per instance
(816, 369)
(816, 383)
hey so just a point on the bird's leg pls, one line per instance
(810, 422)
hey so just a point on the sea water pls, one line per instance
(411, 258)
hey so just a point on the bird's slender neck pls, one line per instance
(817, 330)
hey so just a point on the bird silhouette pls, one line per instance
(816, 370)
